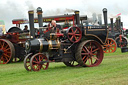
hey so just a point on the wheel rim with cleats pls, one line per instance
(89, 53)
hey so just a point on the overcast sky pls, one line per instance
(17, 9)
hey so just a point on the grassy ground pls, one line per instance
(112, 71)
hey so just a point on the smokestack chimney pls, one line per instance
(40, 19)
(105, 17)
(112, 29)
(118, 23)
(77, 17)
(31, 23)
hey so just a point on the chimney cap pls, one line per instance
(105, 9)
(39, 9)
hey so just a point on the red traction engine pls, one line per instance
(12, 45)
(76, 46)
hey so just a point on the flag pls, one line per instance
(124, 29)
(118, 14)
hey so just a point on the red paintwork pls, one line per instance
(59, 35)
(61, 18)
(120, 36)
(20, 21)
(14, 37)
(66, 28)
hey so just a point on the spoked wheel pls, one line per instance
(71, 64)
(7, 51)
(122, 42)
(89, 53)
(110, 46)
(74, 34)
(39, 61)
(27, 62)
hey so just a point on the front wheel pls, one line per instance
(27, 62)
(121, 41)
(89, 53)
(39, 61)
(110, 46)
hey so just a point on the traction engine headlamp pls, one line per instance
(27, 46)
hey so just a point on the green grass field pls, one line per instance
(112, 71)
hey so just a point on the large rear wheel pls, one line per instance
(7, 51)
(89, 53)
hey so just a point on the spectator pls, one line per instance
(25, 28)
(55, 26)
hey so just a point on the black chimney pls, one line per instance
(40, 19)
(105, 17)
(112, 29)
(118, 23)
(77, 18)
(31, 23)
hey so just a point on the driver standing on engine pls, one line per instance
(56, 27)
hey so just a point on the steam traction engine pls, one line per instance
(12, 45)
(117, 33)
(76, 43)
(110, 45)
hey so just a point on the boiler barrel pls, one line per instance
(41, 45)
(36, 45)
